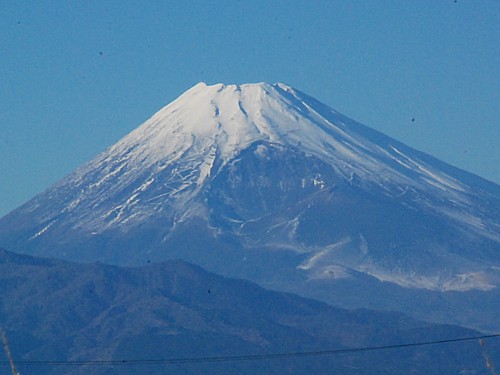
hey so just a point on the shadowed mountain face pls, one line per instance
(263, 182)
(57, 311)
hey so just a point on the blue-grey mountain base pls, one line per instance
(76, 319)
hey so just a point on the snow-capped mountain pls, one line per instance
(264, 182)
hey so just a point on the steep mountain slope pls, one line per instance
(57, 311)
(263, 182)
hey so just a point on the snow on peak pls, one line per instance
(210, 124)
(224, 119)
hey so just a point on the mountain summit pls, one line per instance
(264, 182)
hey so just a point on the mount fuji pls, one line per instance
(264, 182)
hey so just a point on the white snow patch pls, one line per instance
(43, 230)
(331, 272)
(460, 282)
(320, 255)
(438, 179)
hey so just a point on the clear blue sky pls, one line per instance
(78, 75)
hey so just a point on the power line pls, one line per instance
(238, 358)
